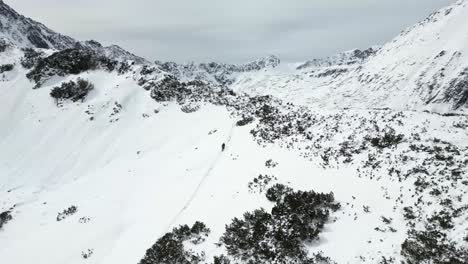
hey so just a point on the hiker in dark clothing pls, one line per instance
(223, 146)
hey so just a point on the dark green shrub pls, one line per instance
(388, 139)
(6, 68)
(432, 246)
(245, 121)
(168, 89)
(73, 91)
(66, 213)
(442, 219)
(277, 192)
(5, 217)
(221, 260)
(31, 58)
(3, 46)
(170, 247)
(69, 61)
(279, 236)
(199, 228)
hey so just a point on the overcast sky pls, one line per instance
(231, 31)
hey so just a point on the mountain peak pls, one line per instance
(24, 32)
(27, 33)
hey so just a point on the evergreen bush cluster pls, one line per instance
(432, 246)
(271, 163)
(69, 61)
(31, 58)
(245, 121)
(6, 67)
(5, 217)
(72, 90)
(260, 183)
(279, 236)
(388, 139)
(170, 247)
(66, 213)
(3, 45)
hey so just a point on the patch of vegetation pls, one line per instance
(31, 58)
(170, 88)
(66, 62)
(432, 246)
(84, 220)
(279, 236)
(87, 254)
(442, 219)
(170, 248)
(221, 260)
(409, 213)
(66, 213)
(190, 108)
(271, 164)
(245, 121)
(5, 217)
(6, 68)
(260, 183)
(387, 140)
(71, 90)
(3, 45)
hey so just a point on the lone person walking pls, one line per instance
(223, 146)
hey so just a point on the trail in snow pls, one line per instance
(202, 181)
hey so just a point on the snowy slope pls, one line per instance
(422, 65)
(136, 168)
(135, 174)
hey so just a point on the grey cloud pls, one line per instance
(232, 31)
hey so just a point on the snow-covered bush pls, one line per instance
(31, 58)
(190, 108)
(279, 236)
(221, 260)
(245, 121)
(170, 247)
(72, 90)
(432, 246)
(388, 139)
(170, 88)
(6, 67)
(260, 183)
(442, 219)
(5, 217)
(277, 192)
(271, 163)
(69, 61)
(3, 45)
(66, 213)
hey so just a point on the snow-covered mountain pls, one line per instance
(356, 158)
(423, 68)
(24, 32)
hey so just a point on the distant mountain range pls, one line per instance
(423, 68)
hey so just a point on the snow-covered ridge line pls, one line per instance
(351, 57)
(24, 32)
